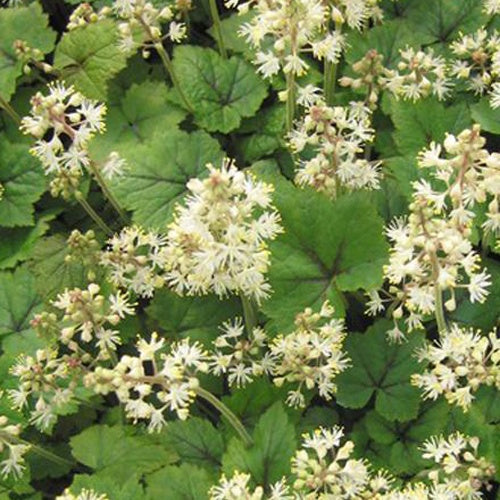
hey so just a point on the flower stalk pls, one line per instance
(214, 13)
(227, 414)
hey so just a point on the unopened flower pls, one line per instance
(337, 136)
(141, 16)
(419, 74)
(478, 61)
(11, 451)
(431, 250)
(311, 356)
(135, 260)
(459, 363)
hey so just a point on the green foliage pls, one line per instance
(89, 57)
(184, 482)
(18, 243)
(111, 451)
(268, 459)
(224, 91)
(327, 249)
(331, 249)
(159, 171)
(18, 302)
(142, 111)
(53, 271)
(486, 116)
(13, 26)
(382, 370)
(417, 124)
(441, 21)
(197, 318)
(23, 181)
(387, 39)
(398, 443)
(195, 441)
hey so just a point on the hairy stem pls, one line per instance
(10, 110)
(249, 313)
(37, 449)
(227, 414)
(330, 75)
(107, 193)
(214, 13)
(92, 213)
(167, 62)
(290, 100)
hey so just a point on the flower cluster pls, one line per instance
(324, 469)
(88, 317)
(46, 380)
(84, 494)
(217, 241)
(431, 250)
(84, 14)
(459, 469)
(152, 383)
(459, 363)
(311, 355)
(135, 261)
(237, 488)
(82, 336)
(290, 29)
(13, 463)
(370, 70)
(337, 137)
(241, 357)
(478, 62)
(141, 20)
(419, 74)
(63, 122)
(83, 248)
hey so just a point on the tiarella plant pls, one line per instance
(249, 249)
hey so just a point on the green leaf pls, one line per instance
(18, 303)
(198, 318)
(268, 459)
(417, 124)
(52, 271)
(108, 485)
(186, 482)
(399, 442)
(250, 402)
(484, 316)
(18, 243)
(29, 24)
(230, 27)
(195, 440)
(222, 91)
(327, 248)
(381, 369)
(143, 111)
(387, 39)
(114, 453)
(89, 57)
(265, 133)
(486, 116)
(159, 171)
(441, 21)
(23, 181)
